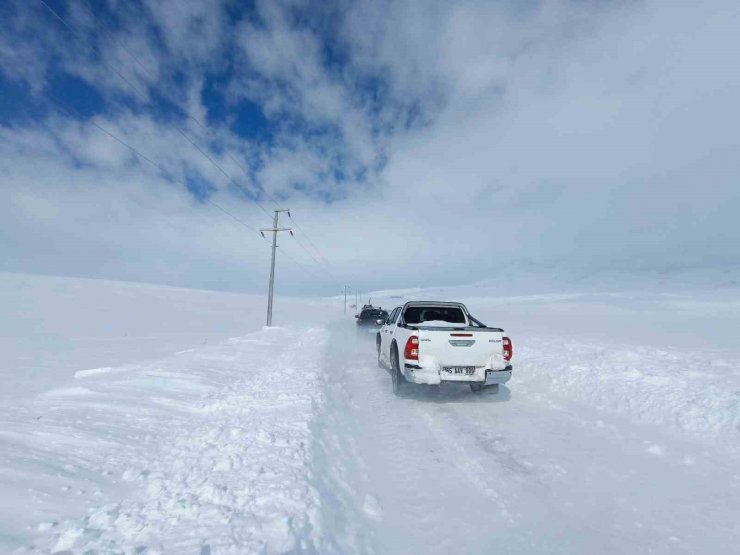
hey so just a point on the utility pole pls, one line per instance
(274, 230)
(345, 300)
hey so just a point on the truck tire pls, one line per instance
(399, 382)
(377, 348)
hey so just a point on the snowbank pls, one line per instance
(206, 450)
(697, 391)
(52, 327)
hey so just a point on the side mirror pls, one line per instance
(357, 315)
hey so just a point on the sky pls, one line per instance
(415, 142)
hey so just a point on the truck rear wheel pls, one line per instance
(399, 382)
(377, 347)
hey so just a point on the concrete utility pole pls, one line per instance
(274, 230)
(345, 300)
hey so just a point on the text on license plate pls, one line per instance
(460, 370)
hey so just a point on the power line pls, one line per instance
(308, 239)
(276, 203)
(298, 242)
(70, 111)
(144, 98)
(189, 116)
(171, 177)
(184, 113)
(205, 128)
(212, 161)
(161, 168)
(95, 47)
(301, 264)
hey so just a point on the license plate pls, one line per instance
(460, 370)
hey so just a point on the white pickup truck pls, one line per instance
(435, 342)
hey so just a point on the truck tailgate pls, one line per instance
(469, 347)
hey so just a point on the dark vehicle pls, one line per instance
(371, 318)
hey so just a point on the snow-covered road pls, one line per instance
(530, 471)
(290, 440)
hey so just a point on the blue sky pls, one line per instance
(74, 39)
(501, 136)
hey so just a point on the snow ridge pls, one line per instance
(696, 391)
(214, 449)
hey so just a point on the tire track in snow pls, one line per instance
(404, 458)
(431, 499)
(536, 472)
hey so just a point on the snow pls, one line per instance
(694, 390)
(52, 327)
(235, 468)
(148, 419)
(529, 471)
(439, 324)
(670, 357)
(212, 449)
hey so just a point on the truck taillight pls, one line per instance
(508, 349)
(411, 351)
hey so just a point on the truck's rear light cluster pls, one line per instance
(508, 349)
(411, 351)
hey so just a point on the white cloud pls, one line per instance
(579, 135)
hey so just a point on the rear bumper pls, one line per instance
(419, 375)
(498, 376)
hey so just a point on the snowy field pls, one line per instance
(145, 419)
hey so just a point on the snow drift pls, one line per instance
(204, 433)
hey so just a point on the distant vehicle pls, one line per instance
(435, 342)
(371, 318)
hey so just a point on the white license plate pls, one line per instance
(460, 370)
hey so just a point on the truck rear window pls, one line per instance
(421, 314)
